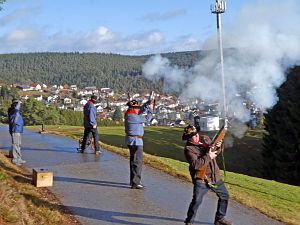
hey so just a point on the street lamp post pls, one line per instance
(218, 8)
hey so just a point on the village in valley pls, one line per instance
(170, 110)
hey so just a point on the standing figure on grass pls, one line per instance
(16, 123)
(90, 125)
(135, 117)
(200, 155)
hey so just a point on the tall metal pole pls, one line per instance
(218, 8)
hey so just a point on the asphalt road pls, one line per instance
(96, 188)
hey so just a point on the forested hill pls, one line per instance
(122, 73)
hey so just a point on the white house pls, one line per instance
(83, 101)
(172, 106)
(39, 98)
(67, 101)
(107, 91)
(99, 108)
(52, 98)
(78, 109)
(73, 87)
(154, 122)
(36, 87)
(209, 123)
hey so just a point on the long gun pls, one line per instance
(152, 99)
(218, 137)
(128, 97)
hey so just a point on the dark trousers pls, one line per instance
(200, 189)
(135, 163)
(86, 135)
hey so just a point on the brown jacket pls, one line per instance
(197, 156)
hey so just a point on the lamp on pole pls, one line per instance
(218, 8)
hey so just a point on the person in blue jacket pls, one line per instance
(135, 118)
(90, 125)
(16, 123)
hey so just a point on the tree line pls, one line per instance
(119, 72)
(37, 113)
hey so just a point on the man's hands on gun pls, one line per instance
(213, 151)
(150, 103)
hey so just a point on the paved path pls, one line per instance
(96, 190)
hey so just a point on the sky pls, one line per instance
(130, 27)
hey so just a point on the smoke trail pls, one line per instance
(261, 44)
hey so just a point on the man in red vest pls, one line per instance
(199, 154)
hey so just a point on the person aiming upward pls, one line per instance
(205, 174)
(135, 117)
(90, 125)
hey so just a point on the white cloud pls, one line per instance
(103, 34)
(101, 39)
(141, 41)
(185, 43)
(156, 16)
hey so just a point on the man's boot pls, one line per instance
(223, 221)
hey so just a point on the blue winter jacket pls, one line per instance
(89, 115)
(15, 120)
(134, 125)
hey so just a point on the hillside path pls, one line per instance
(96, 190)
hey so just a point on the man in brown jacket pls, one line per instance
(199, 153)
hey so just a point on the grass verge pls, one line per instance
(276, 200)
(22, 203)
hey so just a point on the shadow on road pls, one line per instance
(122, 218)
(55, 149)
(105, 215)
(93, 182)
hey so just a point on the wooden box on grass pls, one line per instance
(42, 178)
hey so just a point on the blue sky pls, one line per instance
(131, 27)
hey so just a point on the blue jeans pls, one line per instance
(200, 189)
(135, 163)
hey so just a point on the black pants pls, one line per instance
(135, 163)
(86, 135)
(200, 189)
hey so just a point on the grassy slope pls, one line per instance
(277, 200)
(22, 203)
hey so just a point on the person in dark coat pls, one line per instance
(135, 118)
(90, 125)
(199, 153)
(16, 123)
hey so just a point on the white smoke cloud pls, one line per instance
(261, 43)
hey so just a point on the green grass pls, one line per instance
(243, 157)
(277, 200)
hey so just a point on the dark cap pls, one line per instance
(14, 100)
(94, 97)
(189, 131)
(133, 104)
